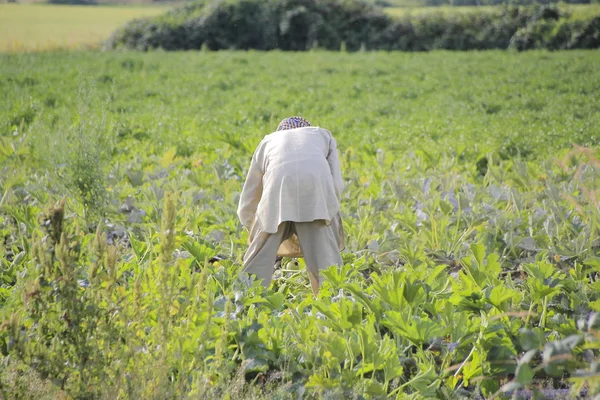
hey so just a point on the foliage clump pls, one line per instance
(299, 25)
(473, 235)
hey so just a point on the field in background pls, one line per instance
(575, 10)
(43, 27)
(36, 27)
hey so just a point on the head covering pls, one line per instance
(292, 122)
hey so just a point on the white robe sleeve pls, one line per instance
(334, 166)
(251, 192)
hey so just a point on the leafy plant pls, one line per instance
(458, 280)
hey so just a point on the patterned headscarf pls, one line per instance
(292, 122)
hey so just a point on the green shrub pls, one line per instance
(558, 35)
(299, 25)
(264, 25)
(588, 37)
(77, 152)
(74, 2)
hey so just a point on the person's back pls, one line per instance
(290, 200)
(304, 144)
(296, 173)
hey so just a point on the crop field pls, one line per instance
(577, 11)
(35, 27)
(471, 211)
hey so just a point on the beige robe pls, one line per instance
(294, 176)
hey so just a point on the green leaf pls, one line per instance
(492, 266)
(553, 370)
(540, 270)
(138, 247)
(500, 297)
(319, 381)
(473, 368)
(392, 367)
(168, 157)
(557, 354)
(337, 276)
(539, 289)
(365, 368)
(416, 330)
(18, 259)
(426, 383)
(478, 250)
(136, 178)
(255, 365)
(374, 388)
(276, 301)
(489, 387)
(199, 251)
(360, 295)
(411, 291)
(595, 305)
(530, 339)
(593, 262)
(524, 374)
(502, 359)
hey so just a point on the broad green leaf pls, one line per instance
(593, 262)
(365, 368)
(595, 305)
(168, 157)
(502, 359)
(558, 353)
(531, 339)
(489, 387)
(255, 365)
(426, 383)
(524, 374)
(374, 388)
(478, 250)
(501, 297)
(276, 300)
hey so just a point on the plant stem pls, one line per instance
(529, 313)
(464, 362)
(544, 309)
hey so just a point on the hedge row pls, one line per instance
(299, 25)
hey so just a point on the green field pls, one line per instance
(578, 11)
(35, 27)
(471, 214)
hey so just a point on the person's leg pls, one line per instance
(262, 253)
(319, 245)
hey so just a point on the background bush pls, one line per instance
(299, 25)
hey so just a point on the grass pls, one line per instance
(539, 99)
(41, 27)
(471, 219)
(578, 11)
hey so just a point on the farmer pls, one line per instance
(291, 200)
